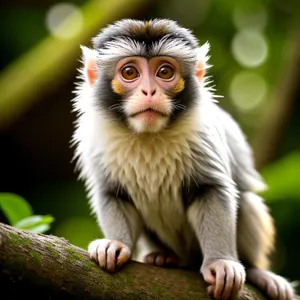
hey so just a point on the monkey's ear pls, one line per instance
(202, 59)
(90, 64)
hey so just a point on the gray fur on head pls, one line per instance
(158, 37)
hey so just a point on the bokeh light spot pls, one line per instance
(247, 90)
(249, 48)
(64, 20)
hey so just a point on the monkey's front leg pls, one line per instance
(213, 217)
(120, 225)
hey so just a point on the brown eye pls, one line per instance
(165, 72)
(130, 73)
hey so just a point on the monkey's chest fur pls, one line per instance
(152, 169)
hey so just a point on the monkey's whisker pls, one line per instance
(117, 107)
(177, 105)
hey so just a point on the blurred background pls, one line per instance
(255, 60)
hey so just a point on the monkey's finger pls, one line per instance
(210, 290)
(149, 259)
(95, 247)
(209, 275)
(285, 290)
(238, 281)
(220, 281)
(282, 288)
(160, 259)
(123, 256)
(290, 295)
(111, 258)
(273, 290)
(102, 253)
(93, 250)
(171, 260)
(289, 292)
(229, 282)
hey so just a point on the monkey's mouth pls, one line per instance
(150, 111)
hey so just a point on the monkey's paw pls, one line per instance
(161, 259)
(274, 286)
(226, 278)
(109, 254)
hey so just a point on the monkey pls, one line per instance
(169, 174)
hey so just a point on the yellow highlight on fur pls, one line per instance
(179, 86)
(117, 87)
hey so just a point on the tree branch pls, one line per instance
(47, 267)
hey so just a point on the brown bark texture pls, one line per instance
(48, 267)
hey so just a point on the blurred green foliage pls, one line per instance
(283, 178)
(67, 201)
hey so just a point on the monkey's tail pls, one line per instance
(256, 231)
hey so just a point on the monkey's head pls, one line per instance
(145, 74)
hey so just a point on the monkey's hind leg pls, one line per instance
(148, 250)
(256, 237)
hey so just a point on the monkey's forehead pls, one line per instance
(147, 39)
(147, 32)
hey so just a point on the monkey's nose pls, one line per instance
(152, 92)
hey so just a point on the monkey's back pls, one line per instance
(242, 160)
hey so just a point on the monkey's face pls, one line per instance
(144, 75)
(147, 88)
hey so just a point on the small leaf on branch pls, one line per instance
(36, 223)
(14, 207)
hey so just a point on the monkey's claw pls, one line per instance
(226, 278)
(161, 259)
(109, 254)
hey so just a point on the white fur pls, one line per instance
(202, 53)
(121, 47)
(140, 125)
(151, 167)
(175, 48)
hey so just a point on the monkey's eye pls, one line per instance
(165, 72)
(129, 73)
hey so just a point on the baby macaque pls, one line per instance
(169, 173)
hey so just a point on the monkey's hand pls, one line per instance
(109, 254)
(226, 278)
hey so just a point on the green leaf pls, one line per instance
(32, 222)
(40, 228)
(14, 207)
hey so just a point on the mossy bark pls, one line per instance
(47, 267)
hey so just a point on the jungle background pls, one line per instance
(255, 60)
